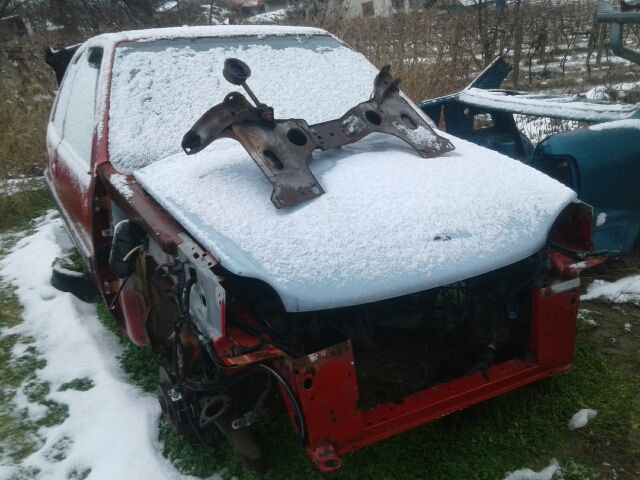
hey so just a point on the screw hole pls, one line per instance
(408, 121)
(297, 137)
(273, 160)
(373, 117)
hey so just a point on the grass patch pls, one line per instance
(80, 384)
(17, 211)
(19, 363)
(58, 451)
(79, 473)
(141, 364)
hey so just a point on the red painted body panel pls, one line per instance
(73, 199)
(326, 385)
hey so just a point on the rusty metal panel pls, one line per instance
(282, 148)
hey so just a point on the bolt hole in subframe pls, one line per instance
(215, 408)
(308, 383)
(273, 160)
(297, 137)
(408, 122)
(373, 117)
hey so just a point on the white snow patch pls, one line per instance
(220, 31)
(581, 418)
(12, 186)
(585, 316)
(624, 290)
(352, 124)
(544, 105)
(113, 427)
(612, 93)
(601, 219)
(419, 135)
(627, 327)
(274, 16)
(165, 7)
(122, 185)
(539, 128)
(628, 123)
(545, 474)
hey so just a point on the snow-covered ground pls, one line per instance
(12, 186)
(624, 290)
(112, 428)
(548, 473)
(581, 418)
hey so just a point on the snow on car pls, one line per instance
(416, 273)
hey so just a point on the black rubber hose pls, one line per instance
(292, 398)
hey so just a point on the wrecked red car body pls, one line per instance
(355, 358)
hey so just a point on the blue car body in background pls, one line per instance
(601, 162)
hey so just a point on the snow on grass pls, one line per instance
(539, 128)
(624, 290)
(11, 186)
(553, 470)
(619, 91)
(270, 17)
(581, 418)
(111, 429)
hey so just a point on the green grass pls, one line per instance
(79, 384)
(17, 211)
(19, 436)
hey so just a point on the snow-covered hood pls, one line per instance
(391, 223)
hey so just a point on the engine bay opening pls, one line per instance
(406, 344)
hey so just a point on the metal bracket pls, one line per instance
(282, 148)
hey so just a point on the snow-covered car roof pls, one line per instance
(571, 107)
(153, 34)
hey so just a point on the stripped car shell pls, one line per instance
(355, 358)
(599, 162)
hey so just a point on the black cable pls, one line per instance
(292, 398)
(115, 299)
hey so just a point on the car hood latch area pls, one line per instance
(282, 148)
